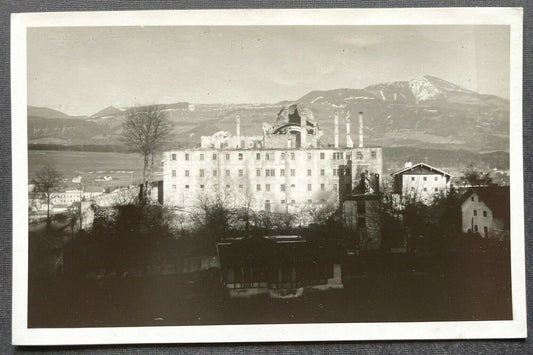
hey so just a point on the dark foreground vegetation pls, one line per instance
(472, 284)
(132, 269)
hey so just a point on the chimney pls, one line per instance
(349, 142)
(238, 130)
(303, 132)
(408, 164)
(336, 118)
(360, 130)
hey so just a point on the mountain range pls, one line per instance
(421, 113)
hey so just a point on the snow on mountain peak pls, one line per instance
(431, 88)
(444, 85)
(423, 89)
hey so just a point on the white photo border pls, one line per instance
(22, 335)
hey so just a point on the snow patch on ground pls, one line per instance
(358, 98)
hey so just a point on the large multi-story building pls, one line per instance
(287, 168)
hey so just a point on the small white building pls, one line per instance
(486, 210)
(36, 202)
(421, 182)
(68, 197)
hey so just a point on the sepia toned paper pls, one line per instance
(267, 111)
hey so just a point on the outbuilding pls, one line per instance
(279, 266)
(486, 210)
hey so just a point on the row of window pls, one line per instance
(484, 213)
(425, 178)
(283, 156)
(258, 172)
(258, 187)
(267, 202)
(283, 202)
(425, 189)
(283, 188)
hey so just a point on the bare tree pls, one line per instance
(213, 211)
(284, 220)
(126, 196)
(180, 219)
(320, 214)
(74, 216)
(265, 219)
(144, 130)
(476, 178)
(244, 212)
(48, 181)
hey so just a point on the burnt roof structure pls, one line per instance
(290, 118)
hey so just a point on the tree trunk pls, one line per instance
(81, 218)
(48, 213)
(150, 175)
(144, 183)
(145, 167)
(151, 165)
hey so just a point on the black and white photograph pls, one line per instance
(267, 175)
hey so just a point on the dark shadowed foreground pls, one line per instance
(452, 286)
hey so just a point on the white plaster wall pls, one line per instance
(238, 189)
(422, 187)
(469, 219)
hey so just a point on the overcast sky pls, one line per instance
(82, 70)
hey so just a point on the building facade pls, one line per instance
(59, 201)
(268, 179)
(361, 213)
(280, 266)
(68, 197)
(284, 170)
(420, 182)
(486, 210)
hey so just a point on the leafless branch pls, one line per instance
(47, 182)
(145, 129)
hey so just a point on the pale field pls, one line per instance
(125, 168)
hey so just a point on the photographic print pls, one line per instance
(267, 175)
